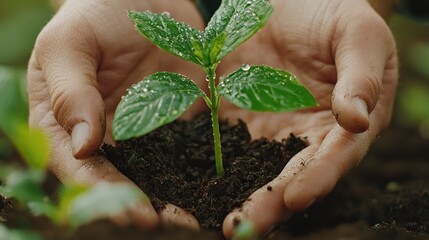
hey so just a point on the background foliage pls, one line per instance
(21, 21)
(412, 109)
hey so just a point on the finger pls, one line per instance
(172, 214)
(66, 54)
(324, 169)
(89, 171)
(97, 169)
(266, 208)
(361, 53)
(313, 172)
(140, 214)
(340, 151)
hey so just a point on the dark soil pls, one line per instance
(386, 197)
(175, 164)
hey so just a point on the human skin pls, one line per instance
(343, 51)
(83, 61)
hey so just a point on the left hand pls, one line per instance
(83, 61)
(344, 52)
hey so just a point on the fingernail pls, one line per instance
(79, 135)
(360, 105)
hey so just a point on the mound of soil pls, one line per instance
(386, 197)
(175, 164)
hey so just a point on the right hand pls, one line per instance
(345, 54)
(83, 62)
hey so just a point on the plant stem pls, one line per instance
(215, 119)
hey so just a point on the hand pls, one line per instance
(83, 61)
(345, 54)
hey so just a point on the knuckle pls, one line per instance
(58, 34)
(49, 36)
(374, 25)
(371, 92)
(60, 102)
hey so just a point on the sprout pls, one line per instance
(164, 96)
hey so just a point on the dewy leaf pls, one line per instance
(217, 45)
(261, 88)
(238, 20)
(170, 35)
(157, 100)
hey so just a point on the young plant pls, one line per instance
(162, 97)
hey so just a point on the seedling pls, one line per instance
(162, 97)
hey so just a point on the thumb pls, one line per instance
(68, 62)
(361, 54)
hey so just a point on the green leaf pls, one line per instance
(13, 97)
(238, 20)
(261, 88)
(216, 46)
(18, 234)
(6, 148)
(14, 119)
(5, 170)
(25, 186)
(68, 193)
(101, 201)
(170, 35)
(157, 100)
(245, 231)
(42, 208)
(24, 138)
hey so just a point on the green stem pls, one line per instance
(217, 143)
(215, 120)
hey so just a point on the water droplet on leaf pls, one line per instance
(245, 67)
(167, 14)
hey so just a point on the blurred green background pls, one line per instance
(20, 23)
(412, 102)
(22, 20)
